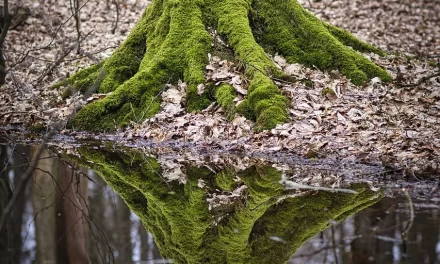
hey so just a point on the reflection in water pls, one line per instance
(252, 219)
(220, 215)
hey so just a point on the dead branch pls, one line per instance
(115, 26)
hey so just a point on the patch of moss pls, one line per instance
(85, 81)
(195, 101)
(38, 128)
(225, 95)
(327, 91)
(296, 220)
(233, 23)
(433, 64)
(225, 181)
(287, 28)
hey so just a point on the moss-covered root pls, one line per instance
(265, 104)
(286, 27)
(177, 44)
(225, 95)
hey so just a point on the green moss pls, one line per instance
(38, 128)
(225, 181)
(327, 91)
(225, 95)
(234, 25)
(177, 48)
(85, 81)
(270, 117)
(286, 27)
(245, 109)
(308, 83)
(433, 63)
(195, 101)
(299, 219)
(349, 40)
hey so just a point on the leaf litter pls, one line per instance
(331, 119)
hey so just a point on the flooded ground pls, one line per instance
(120, 205)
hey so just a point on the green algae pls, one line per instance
(183, 227)
(171, 42)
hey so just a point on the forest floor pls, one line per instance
(395, 125)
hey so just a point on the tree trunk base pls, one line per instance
(171, 43)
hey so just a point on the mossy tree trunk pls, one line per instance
(171, 42)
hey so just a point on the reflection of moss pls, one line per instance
(178, 216)
(225, 181)
(296, 220)
(175, 214)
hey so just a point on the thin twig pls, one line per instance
(116, 3)
(420, 81)
(60, 59)
(272, 78)
(152, 100)
(25, 179)
(334, 244)
(411, 215)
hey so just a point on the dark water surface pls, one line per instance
(94, 206)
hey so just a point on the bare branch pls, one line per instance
(25, 179)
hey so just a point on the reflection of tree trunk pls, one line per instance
(43, 200)
(70, 231)
(5, 195)
(123, 224)
(96, 204)
(19, 205)
(109, 214)
(10, 238)
(144, 242)
(149, 250)
(371, 250)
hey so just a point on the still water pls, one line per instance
(119, 205)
